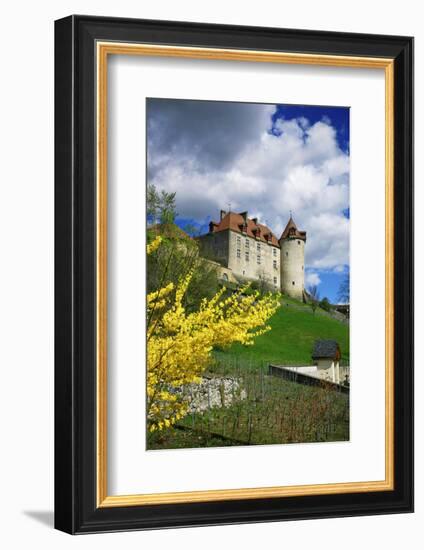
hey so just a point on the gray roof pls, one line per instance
(325, 349)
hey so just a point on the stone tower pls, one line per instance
(292, 245)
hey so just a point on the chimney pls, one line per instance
(222, 214)
(255, 221)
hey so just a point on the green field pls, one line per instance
(294, 328)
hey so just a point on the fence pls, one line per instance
(306, 379)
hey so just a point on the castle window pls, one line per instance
(238, 253)
(247, 243)
(293, 283)
(287, 254)
(274, 251)
(258, 259)
(274, 263)
(298, 242)
(275, 280)
(247, 256)
(238, 241)
(302, 267)
(258, 247)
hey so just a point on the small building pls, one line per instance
(326, 356)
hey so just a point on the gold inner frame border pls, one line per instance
(103, 50)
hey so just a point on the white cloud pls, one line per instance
(328, 243)
(226, 154)
(312, 279)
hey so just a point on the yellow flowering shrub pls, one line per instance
(154, 245)
(179, 343)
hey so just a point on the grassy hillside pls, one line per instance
(272, 410)
(294, 328)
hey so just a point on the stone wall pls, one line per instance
(214, 246)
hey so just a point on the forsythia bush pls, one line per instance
(179, 344)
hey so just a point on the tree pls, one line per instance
(262, 284)
(325, 304)
(313, 297)
(343, 294)
(179, 343)
(178, 256)
(160, 206)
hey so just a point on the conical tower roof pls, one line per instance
(291, 231)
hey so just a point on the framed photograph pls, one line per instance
(234, 274)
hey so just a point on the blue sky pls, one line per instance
(266, 159)
(337, 117)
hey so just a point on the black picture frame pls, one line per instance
(76, 510)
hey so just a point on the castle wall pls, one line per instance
(293, 267)
(225, 274)
(254, 259)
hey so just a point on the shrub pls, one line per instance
(325, 304)
(179, 343)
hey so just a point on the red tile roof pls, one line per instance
(244, 225)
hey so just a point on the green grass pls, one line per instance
(294, 328)
(174, 438)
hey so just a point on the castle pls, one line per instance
(246, 249)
